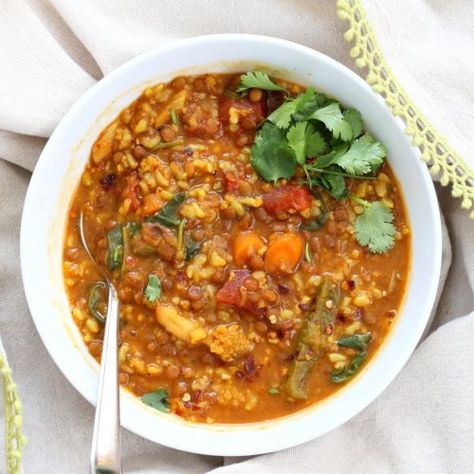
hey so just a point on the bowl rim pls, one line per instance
(202, 443)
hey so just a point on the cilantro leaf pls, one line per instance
(332, 117)
(315, 144)
(364, 156)
(259, 80)
(168, 214)
(304, 141)
(281, 116)
(335, 184)
(153, 288)
(296, 137)
(297, 107)
(374, 227)
(331, 158)
(271, 156)
(354, 119)
(158, 400)
(308, 102)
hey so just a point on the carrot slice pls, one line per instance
(246, 245)
(284, 253)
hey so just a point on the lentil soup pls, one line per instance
(259, 248)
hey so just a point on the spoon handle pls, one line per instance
(105, 452)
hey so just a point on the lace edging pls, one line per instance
(14, 439)
(436, 152)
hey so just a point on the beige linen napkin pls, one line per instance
(51, 52)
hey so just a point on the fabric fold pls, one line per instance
(52, 51)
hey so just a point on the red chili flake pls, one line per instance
(130, 261)
(197, 395)
(290, 357)
(329, 330)
(304, 306)
(249, 365)
(108, 181)
(351, 284)
(283, 289)
(340, 318)
(280, 333)
(358, 313)
(187, 404)
(180, 277)
(239, 374)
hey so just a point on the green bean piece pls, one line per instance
(311, 339)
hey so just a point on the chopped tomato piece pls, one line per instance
(246, 109)
(230, 292)
(232, 182)
(287, 197)
(131, 191)
(201, 118)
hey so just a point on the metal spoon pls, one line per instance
(105, 450)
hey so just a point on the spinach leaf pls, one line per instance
(153, 288)
(129, 230)
(95, 295)
(158, 400)
(349, 370)
(191, 248)
(168, 214)
(317, 222)
(358, 342)
(114, 248)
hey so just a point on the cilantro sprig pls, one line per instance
(327, 141)
(159, 400)
(153, 288)
(258, 80)
(374, 227)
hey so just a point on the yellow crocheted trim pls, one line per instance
(438, 154)
(14, 439)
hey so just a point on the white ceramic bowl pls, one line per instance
(59, 169)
